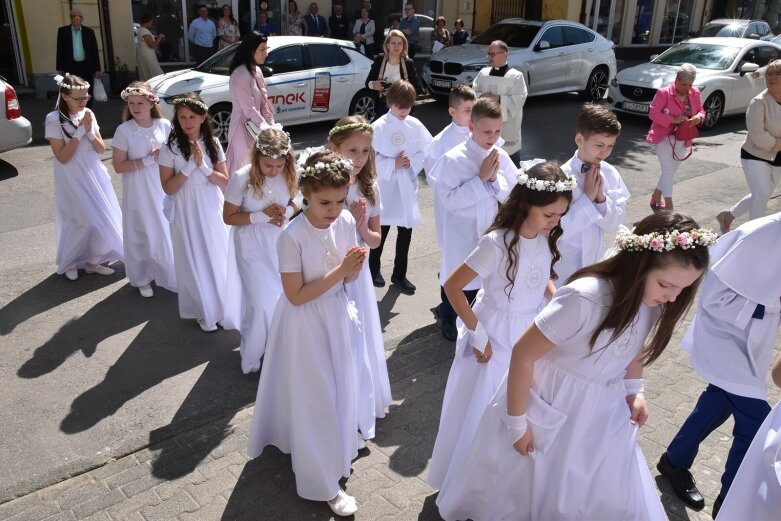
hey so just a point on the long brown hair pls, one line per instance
(62, 105)
(368, 173)
(515, 210)
(627, 272)
(277, 142)
(178, 136)
(154, 111)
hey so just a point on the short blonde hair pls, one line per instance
(774, 66)
(391, 34)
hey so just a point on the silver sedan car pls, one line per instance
(15, 130)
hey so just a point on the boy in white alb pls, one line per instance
(460, 102)
(731, 344)
(599, 201)
(473, 178)
(400, 142)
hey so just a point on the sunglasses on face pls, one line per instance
(76, 17)
(84, 99)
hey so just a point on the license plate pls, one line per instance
(441, 83)
(636, 107)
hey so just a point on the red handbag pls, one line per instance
(686, 132)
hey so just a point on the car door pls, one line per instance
(746, 86)
(581, 55)
(332, 75)
(290, 86)
(547, 66)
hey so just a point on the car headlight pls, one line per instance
(475, 66)
(614, 82)
(701, 87)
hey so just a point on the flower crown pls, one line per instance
(661, 242)
(192, 101)
(137, 91)
(274, 150)
(337, 165)
(540, 185)
(64, 86)
(366, 127)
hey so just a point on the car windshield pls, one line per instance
(726, 30)
(701, 55)
(514, 35)
(220, 62)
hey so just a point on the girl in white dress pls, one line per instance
(575, 380)
(351, 138)
(193, 173)
(515, 259)
(88, 221)
(306, 397)
(148, 252)
(258, 202)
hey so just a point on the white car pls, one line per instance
(724, 76)
(311, 79)
(555, 56)
(15, 130)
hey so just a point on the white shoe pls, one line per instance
(343, 504)
(207, 328)
(146, 291)
(100, 270)
(72, 274)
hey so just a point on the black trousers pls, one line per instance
(446, 311)
(402, 252)
(201, 53)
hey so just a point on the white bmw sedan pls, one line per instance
(309, 79)
(554, 56)
(724, 76)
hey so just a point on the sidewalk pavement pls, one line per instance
(389, 476)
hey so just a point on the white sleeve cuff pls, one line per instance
(258, 218)
(634, 386)
(188, 168)
(478, 338)
(148, 160)
(516, 427)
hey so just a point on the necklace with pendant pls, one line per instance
(331, 260)
(533, 276)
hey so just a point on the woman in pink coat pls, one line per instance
(249, 97)
(674, 105)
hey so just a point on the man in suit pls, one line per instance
(77, 51)
(315, 23)
(339, 25)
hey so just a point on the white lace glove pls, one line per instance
(478, 338)
(80, 133)
(634, 386)
(148, 160)
(188, 168)
(258, 218)
(516, 427)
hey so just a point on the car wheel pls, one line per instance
(221, 121)
(714, 108)
(596, 86)
(364, 104)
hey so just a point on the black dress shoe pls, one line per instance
(449, 331)
(683, 483)
(403, 284)
(717, 506)
(378, 281)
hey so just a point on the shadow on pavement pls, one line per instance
(266, 489)
(7, 170)
(430, 512)
(674, 508)
(51, 292)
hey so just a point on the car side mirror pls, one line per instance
(748, 67)
(753, 36)
(542, 45)
(267, 71)
(653, 57)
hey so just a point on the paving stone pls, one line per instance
(130, 475)
(213, 467)
(123, 510)
(81, 494)
(142, 484)
(98, 516)
(36, 513)
(178, 503)
(170, 487)
(21, 504)
(205, 491)
(62, 516)
(114, 467)
(407, 490)
(213, 510)
(98, 504)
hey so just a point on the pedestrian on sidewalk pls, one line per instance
(136, 145)
(559, 439)
(77, 51)
(761, 151)
(88, 221)
(756, 492)
(515, 260)
(202, 33)
(351, 138)
(258, 203)
(306, 402)
(193, 173)
(731, 343)
(472, 179)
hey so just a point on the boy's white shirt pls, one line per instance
(745, 277)
(469, 204)
(586, 222)
(399, 187)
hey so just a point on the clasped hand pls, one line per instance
(276, 214)
(594, 185)
(86, 122)
(485, 356)
(358, 209)
(489, 168)
(353, 261)
(403, 160)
